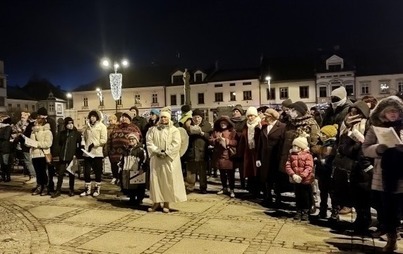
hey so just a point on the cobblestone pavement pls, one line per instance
(204, 224)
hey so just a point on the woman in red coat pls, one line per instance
(247, 148)
(224, 139)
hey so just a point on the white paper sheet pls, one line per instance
(387, 136)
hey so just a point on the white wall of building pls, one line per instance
(374, 83)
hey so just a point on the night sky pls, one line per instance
(63, 41)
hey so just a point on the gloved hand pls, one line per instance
(90, 147)
(258, 164)
(161, 154)
(381, 148)
(296, 178)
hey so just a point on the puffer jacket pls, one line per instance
(95, 134)
(301, 164)
(197, 149)
(371, 143)
(43, 135)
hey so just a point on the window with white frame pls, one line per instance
(364, 88)
(137, 98)
(218, 97)
(304, 92)
(271, 94)
(85, 102)
(51, 108)
(118, 102)
(350, 90)
(232, 96)
(400, 86)
(154, 98)
(182, 99)
(247, 83)
(283, 93)
(384, 86)
(200, 98)
(323, 91)
(247, 95)
(173, 99)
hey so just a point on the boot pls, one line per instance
(38, 190)
(305, 215)
(7, 169)
(391, 244)
(335, 214)
(97, 190)
(87, 190)
(56, 194)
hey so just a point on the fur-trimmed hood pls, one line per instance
(97, 113)
(217, 126)
(362, 107)
(377, 117)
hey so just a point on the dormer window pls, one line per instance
(177, 79)
(334, 63)
(198, 77)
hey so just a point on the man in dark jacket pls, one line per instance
(139, 121)
(239, 120)
(5, 147)
(199, 133)
(69, 143)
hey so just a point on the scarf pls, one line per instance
(251, 132)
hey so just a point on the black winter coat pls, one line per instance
(69, 143)
(5, 144)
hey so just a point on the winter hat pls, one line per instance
(155, 111)
(67, 120)
(340, 93)
(262, 109)
(91, 113)
(239, 108)
(251, 111)
(33, 115)
(371, 100)
(185, 108)
(286, 103)
(135, 135)
(301, 142)
(136, 109)
(124, 114)
(273, 113)
(300, 107)
(330, 130)
(166, 112)
(42, 111)
(198, 112)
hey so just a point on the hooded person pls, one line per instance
(225, 144)
(95, 136)
(387, 174)
(197, 155)
(338, 108)
(285, 108)
(166, 180)
(239, 120)
(5, 147)
(351, 169)
(138, 120)
(69, 141)
(247, 148)
(186, 114)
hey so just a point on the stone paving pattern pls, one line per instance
(204, 224)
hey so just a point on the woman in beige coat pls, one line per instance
(43, 136)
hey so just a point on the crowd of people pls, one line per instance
(333, 153)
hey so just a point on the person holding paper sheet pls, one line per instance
(42, 134)
(388, 173)
(95, 137)
(69, 143)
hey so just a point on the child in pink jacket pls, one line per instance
(299, 167)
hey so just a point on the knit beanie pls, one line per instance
(166, 112)
(273, 113)
(330, 130)
(154, 111)
(198, 112)
(301, 142)
(135, 135)
(286, 103)
(124, 114)
(340, 93)
(42, 111)
(239, 108)
(185, 108)
(67, 120)
(251, 111)
(300, 107)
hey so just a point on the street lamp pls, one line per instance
(115, 78)
(100, 95)
(69, 96)
(268, 79)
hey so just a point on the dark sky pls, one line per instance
(63, 40)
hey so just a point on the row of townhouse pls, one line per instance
(211, 90)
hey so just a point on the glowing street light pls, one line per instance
(99, 94)
(115, 79)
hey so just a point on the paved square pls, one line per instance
(61, 233)
(159, 221)
(196, 246)
(49, 212)
(97, 216)
(122, 242)
(230, 228)
(196, 207)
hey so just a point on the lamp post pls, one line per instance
(100, 95)
(115, 78)
(268, 79)
(68, 96)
